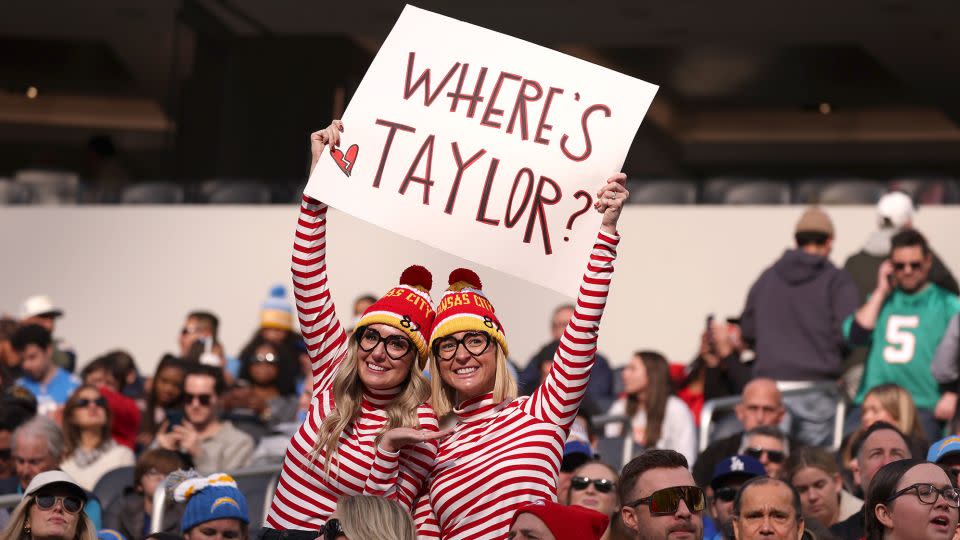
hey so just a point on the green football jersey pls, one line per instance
(902, 344)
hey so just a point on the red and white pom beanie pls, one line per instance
(464, 307)
(407, 307)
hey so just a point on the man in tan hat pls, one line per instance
(793, 317)
(41, 310)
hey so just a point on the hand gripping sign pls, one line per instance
(483, 145)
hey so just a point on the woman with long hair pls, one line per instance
(365, 517)
(594, 485)
(266, 385)
(51, 509)
(655, 417)
(911, 499)
(164, 399)
(504, 450)
(90, 450)
(363, 387)
(893, 404)
(815, 474)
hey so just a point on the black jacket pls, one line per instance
(852, 528)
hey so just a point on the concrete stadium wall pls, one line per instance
(126, 276)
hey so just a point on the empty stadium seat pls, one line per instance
(811, 190)
(49, 186)
(239, 193)
(852, 192)
(662, 192)
(758, 192)
(716, 188)
(153, 193)
(111, 485)
(12, 192)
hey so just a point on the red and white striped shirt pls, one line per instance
(306, 495)
(504, 454)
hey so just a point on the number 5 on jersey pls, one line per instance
(901, 342)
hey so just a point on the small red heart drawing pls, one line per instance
(345, 161)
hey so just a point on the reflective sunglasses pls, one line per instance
(203, 398)
(269, 358)
(71, 504)
(99, 402)
(332, 530)
(396, 347)
(667, 500)
(928, 493)
(775, 456)
(914, 265)
(602, 485)
(475, 343)
(725, 494)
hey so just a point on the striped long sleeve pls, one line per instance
(502, 455)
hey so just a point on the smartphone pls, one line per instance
(174, 418)
(709, 328)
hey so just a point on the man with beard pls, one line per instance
(728, 476)
(661, 500)
(767, 509)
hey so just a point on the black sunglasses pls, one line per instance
(899, 266)
(70, 503)
(725, 494)
(99, 402)
(667, 500)
(6, 454)
(332, 530)
(775, 456)
(602, 485)
(203, 398)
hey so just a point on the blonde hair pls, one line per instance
(899, 403)
(365, 517)
(401, 411)
(443, 397)
(21, 514)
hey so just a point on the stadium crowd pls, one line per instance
(410, 419)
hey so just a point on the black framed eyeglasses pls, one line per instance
(395, 346)
(331, 530)
(99, 402)
(578, 483)
(774, 456)
(928, 493)
(667, 500)
(71, 504)
(475, 343)
(725, 494)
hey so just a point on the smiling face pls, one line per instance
(377, 367)
(471, 375)
(911, 519)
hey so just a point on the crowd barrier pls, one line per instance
(11, 500)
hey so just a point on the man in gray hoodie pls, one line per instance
(793, 318)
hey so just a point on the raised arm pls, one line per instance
(322, 332)
(560, 395)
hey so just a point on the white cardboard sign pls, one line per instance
(483, 145)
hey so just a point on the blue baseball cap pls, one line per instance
(943, 448)
(742, 466)
(575, 454)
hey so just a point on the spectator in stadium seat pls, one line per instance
(41, 311)
(215, 507)
(50, 383)
(547, 520)
(38, 446)
(659, 497)
(728, 476)
(891, 403)
(793, 318)
(880, 444)
(108, 378)
(130, 513)
(946, 453)
(118, 370)
(725, 373)
(767, 509)
(814, 473)
(51, 510)
(594, 485)
(895, 212)
(769, 446)
(656, 419)
(265, 395)
(365, 517)
(276, 327)
(760, 405)
(164, 402)
(199, 343)
(903, 321)
(90, 450)
(912, 499)
(212, 445)
(599, 394)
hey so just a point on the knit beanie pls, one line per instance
(406, 307)
(566, 522)
(276, 311)
(464, 307)
(209, 498)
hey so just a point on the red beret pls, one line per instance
(566, 522)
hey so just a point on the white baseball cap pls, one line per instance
(39, 305)
(895, 208)
(54, 477)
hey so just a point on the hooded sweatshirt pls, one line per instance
(794, 317)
